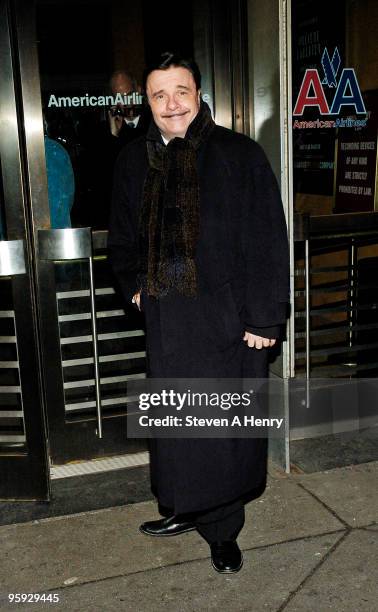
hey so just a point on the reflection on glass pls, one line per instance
(2, 211)
(120, 338)
(12, 427)
(92, 97)
(60, 183)
(2, 223)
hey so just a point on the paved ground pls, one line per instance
(310, 544)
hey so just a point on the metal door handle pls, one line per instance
(12, 257)
(65, 245)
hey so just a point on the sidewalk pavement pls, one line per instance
(310, 543)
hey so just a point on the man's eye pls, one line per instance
(183, 93)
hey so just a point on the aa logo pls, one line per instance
(347, 89)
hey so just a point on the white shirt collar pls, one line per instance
(164, 139)
(134, 121)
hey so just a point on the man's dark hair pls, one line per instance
(168, 59)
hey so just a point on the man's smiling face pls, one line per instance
(174, 100)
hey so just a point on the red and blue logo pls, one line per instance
(347, 89)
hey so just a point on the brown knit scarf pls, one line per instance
(169, 221)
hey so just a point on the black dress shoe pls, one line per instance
(226, 557)
(170, 526)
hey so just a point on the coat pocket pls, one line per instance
(224, 316)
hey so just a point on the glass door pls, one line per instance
(24, 471)
(91, 103)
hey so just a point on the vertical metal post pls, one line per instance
(95, 348)
(286, 395)
(352, 277)
(308, 319)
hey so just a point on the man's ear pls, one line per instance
(199, 92)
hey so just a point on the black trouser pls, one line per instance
(221, 523)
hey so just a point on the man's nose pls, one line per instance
(172, 103)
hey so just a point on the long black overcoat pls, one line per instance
(243, 272)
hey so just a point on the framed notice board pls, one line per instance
(356, 163)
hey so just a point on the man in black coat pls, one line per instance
(123, 125)
(198, 241)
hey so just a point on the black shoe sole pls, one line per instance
(233, 571)
(166, 535)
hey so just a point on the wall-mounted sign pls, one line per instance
(346, 89)
(356, 168)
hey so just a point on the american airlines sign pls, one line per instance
(313, 90)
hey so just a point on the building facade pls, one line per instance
(300, 77)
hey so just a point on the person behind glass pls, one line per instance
(198, 240)
(126, 122)
(122, 125)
